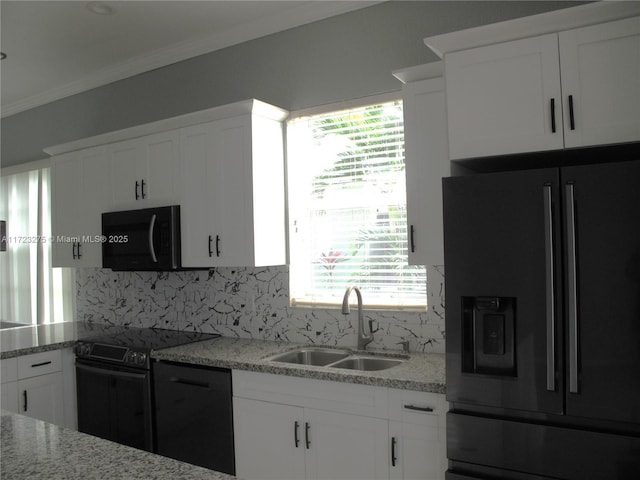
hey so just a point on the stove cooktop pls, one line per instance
(132, 346)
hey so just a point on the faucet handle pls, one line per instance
(371, 329)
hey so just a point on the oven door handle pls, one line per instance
(114, 373)
(152, 250)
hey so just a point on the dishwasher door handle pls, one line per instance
(191, 383)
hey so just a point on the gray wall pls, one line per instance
(343, 57)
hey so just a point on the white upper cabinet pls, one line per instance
(600, 69)
(232, 208)
(426, 160)
(146, 171)
(224, 166)
(578, 87)
(504, 98)
(80, 193)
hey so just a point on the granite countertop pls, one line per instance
(19, 341)
(37, 338)
(35, 449)
(422, 371)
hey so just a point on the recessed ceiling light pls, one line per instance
(101, 8)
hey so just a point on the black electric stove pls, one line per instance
(133, 346)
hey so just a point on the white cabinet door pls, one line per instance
(415, 452)
(9, 396)
(232, 140)
(265, 440)
(426, 163)
(66, 178)
(417, 431)
(126, 160)
(41, 397)
(342, 446)
(600, 68)
(80, 193)
(9, 387)
(504, 98)
(203, 201)
(232, 208)
(146, 171)
(161, 171)
(94, 199)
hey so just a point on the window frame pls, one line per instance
(44, 308)
(297, 268)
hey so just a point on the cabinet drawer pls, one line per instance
(39, 364)
(418, 408)
(9, 370)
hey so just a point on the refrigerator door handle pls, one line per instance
(550, 289)
(572, 288)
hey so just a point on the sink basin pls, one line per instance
(311, 356)
(370, 364)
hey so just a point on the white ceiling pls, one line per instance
(58, 48)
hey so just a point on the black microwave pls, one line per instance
(146, 239)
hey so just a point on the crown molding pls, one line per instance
(310, 12)
(250, 106)
(531, 26)
(420, 72)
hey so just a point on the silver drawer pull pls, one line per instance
(418, 409)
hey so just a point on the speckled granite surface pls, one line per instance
(41, 338)
(38, 450)
(422, 371)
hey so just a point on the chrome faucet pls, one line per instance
(363, 340)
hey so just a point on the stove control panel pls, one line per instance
(136, 358)
(112, 354)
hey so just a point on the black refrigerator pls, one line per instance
(542, 272)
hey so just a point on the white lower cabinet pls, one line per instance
(345, 446)
(41, 397)
(36, 385)
(265, 440)
(296, 428)
(9, 385)
(417, 430)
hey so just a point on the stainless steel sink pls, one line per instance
(311, 356)
(368, 363)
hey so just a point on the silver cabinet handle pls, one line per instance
(550, 289)
(152, 224)
(572, 288)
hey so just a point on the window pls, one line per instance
(31, 291)
(347, 208)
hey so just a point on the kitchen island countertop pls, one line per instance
(36, 449)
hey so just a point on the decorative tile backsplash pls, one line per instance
(247, 303)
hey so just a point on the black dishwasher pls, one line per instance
(194, 421)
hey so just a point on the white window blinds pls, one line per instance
(348, 208)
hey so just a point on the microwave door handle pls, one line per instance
(152, 224)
